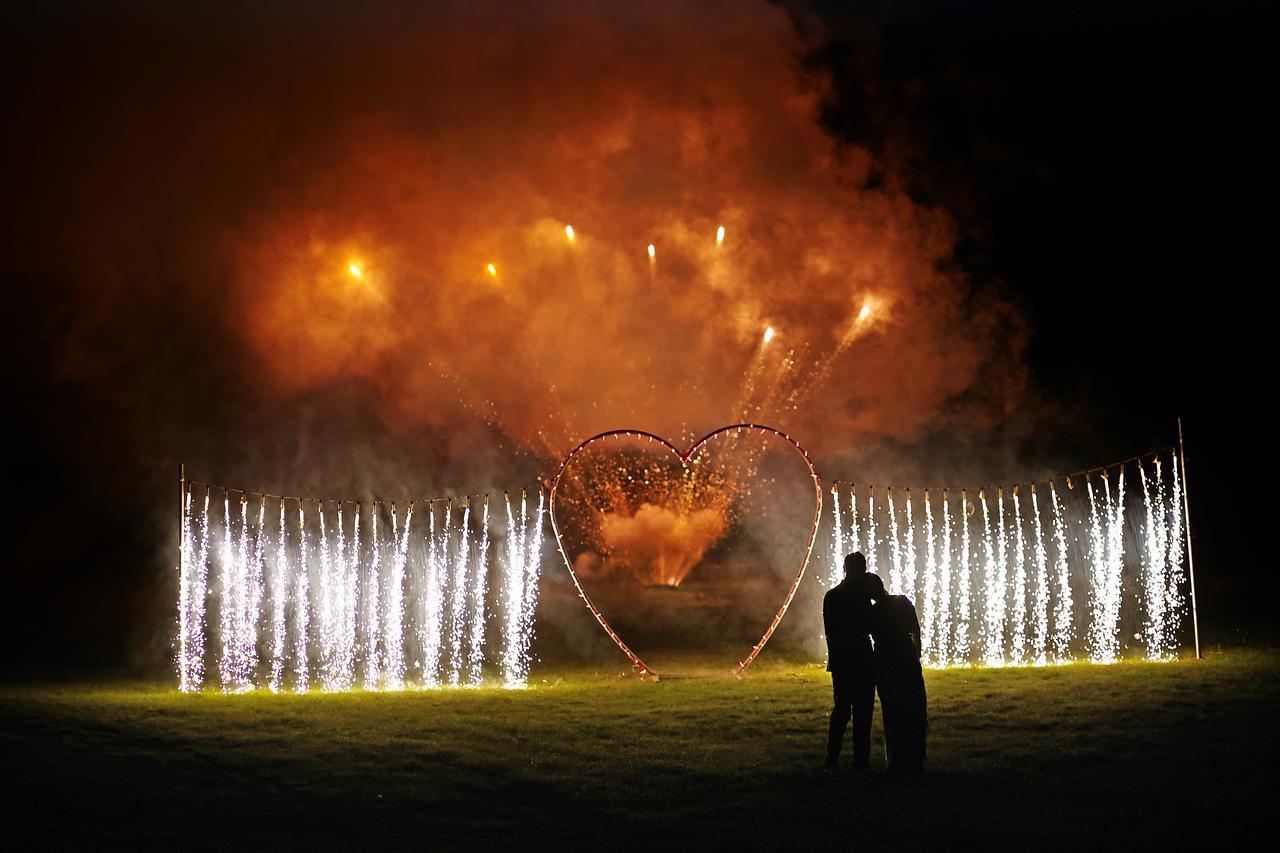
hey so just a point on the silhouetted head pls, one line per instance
(855, 564)
(875, 588)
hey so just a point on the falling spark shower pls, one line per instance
(347, 593)
(1085, 574)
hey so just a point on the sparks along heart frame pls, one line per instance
(684, 456)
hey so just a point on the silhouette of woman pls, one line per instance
(899, 679)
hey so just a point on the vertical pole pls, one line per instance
(182, 516)
(182, 574)
(1186, 524)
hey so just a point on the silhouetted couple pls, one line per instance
(856, 612)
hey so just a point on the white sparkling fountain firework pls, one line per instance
(1013, 600)
(910, 576)
(279, 605)
(373, 605)
(522, 572)
(431, 619)
(837, 540)
(964, 591)
(932, 599)
(853, 517)
(1018, 584)
(942, 621)
(895, 579)
(993, 591)
(872, 545)
(458, 598)
(479, 616)
(373, 651)
(1040, 607)
(1063, 631)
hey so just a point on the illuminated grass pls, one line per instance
(1087, 754)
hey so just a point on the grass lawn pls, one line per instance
(1133, 755)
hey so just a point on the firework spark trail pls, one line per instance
(895, 548)
(200, 600)
(188, 681)
(254, 581)
(1115, 566)
(1097, 578)
(943, 645)
(1168, 607)
(226, 600)
(458, 602)
(479, 616)
(910, 578)
(853, 518)
(1018, 586)
(302, 610)
(514, 601)
(372, 610)
(330, 612)
(532, 562)
(871, 530)
(1062, 614)
(932, 604)
(837, 540)
(393, 613)
(351, 596)
(1173, 601)
(343, 645)
(964, 590)
(240, 608)
(338, 679)
(999, 595)
(279, 603)
(993, 625)
(432, 623)
(1040, 631)
(241, 616)
(1153, 574)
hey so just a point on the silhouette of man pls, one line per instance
(846, 618)
(896, 631)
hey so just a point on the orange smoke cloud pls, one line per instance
(658, 545)
(658, 125)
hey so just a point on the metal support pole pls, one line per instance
(1186, 524)
(182, 515)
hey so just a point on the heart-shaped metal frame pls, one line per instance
(642, 668)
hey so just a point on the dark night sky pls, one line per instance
(1109, 169)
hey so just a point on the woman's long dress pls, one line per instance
(900, 682)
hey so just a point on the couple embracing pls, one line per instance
(873, 643)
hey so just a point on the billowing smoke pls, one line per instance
(386, 210)
(658, 545)
(425, 251)
(329, 255)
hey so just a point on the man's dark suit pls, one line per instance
(846, 617)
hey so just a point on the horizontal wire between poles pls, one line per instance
(248, 493)
(193, 485)
(1152, 455)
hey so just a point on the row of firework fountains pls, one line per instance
(1022, 575)
(292, 593)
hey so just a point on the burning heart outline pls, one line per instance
(684, 456)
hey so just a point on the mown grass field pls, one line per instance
(1134, 755)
